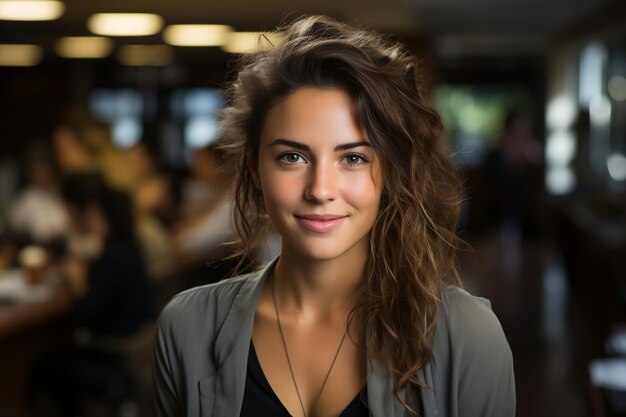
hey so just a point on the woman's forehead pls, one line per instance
(314, 115)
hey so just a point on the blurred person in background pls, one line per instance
(83, 144)
(514, 180)
(336, 146)
(105, 274)
(514, 171)
(154, 208)
(152, 187)
(37, 214)
(200, 237)
(205, 184)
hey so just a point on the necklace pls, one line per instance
(293, 375)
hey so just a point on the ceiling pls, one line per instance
(455, 27)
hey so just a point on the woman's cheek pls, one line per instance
(362, 191)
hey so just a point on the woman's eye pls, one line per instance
(290, 158)
(354, 159)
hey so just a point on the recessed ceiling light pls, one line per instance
(145, 55)
(84, 47)
(13, 55)
(125, 24)
(31, 9)
(196, 35)
(240, 42)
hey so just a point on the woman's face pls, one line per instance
(320, 178)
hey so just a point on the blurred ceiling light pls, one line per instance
(84, 47)
(196, 35)
(240, 42)
(561, 112)
(560, 180)
(592, 66)
(125, 24)
(616, 163)
(31, 9)
(12, 55)
(145, 55)
(617, 88)
(560, 148)
(600, 111)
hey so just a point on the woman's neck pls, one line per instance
(313, 289)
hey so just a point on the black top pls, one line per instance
(260, 400)
(119, 299)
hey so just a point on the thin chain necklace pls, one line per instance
(293, 376)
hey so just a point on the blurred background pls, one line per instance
(112, 197)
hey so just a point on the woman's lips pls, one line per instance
(320, 223)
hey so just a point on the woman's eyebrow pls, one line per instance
(304, 147)
(351, 145)
(290, 143)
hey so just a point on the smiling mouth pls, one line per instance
(320, 223)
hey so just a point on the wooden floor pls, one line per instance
(549, 327)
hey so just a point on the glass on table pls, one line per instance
(34, 261)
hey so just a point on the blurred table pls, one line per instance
(34, 319)
(24, 306)
(607, 392)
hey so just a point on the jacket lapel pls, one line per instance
(380, 399)
(232, 345)
(427, 393)
(382, 402)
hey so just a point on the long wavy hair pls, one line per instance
(413, 242)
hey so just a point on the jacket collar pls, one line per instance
(232, 346)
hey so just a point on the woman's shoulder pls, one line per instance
(211, 300)
(471, 356)
(458, 300)
(469, 319)
(469, 334)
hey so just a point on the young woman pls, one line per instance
(339, 151)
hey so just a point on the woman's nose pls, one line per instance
(322, 183)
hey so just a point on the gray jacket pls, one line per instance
(203, 337)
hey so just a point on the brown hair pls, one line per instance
(413, 241)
